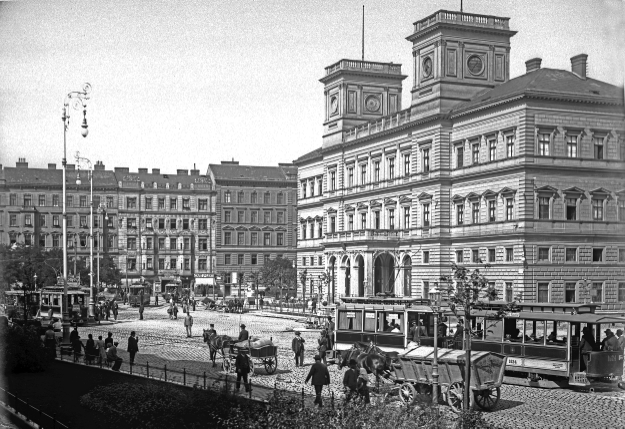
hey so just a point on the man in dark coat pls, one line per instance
(141, 308)
(213, 351)
(108, 309)
(133, 347)
(320, 377)
(243, 335)
(297, 345)
(242, 367)
(350, 380)
(330, 331)
(115, 308)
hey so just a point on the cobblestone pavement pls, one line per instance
(163, 342)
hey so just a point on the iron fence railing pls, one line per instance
(23, 409)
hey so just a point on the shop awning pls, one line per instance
(208, 281)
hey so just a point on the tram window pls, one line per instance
(369, 321)
(557, 333)
(493, 330)
(514, 330)
(478, 328)
(350, 320)
(536, 329)
(389, 321)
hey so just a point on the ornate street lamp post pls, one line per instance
(101, 209)
(77, 99)
(79, 159)
(435, 297)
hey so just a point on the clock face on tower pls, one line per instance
(334, 105)
(475, 65)
(427, 67)
(372, 104)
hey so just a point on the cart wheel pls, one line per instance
(407, 393)
(225, 365)
(271, 365)
(251, 362)
(455, 394)
(487, 399)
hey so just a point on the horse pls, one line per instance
(216, 343)
(373, 359)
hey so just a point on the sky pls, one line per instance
(183, 84)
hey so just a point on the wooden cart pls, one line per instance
(264, 355)
(413, 374)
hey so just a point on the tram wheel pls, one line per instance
(407, 393)
(487, 399)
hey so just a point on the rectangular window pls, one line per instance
(597, 254)
(459, 156)
(363, 220)
(304, 260)
(172, 244)
(254, 216)
(280, 197)
(161, 243)
(240, 197)
(132, 264)
(132, 243)
(459, 258)
(28, 200)
(281, 217)
(509, 208)
(266, 258)
(621, 255)
(55, 220)
(186, 204)
(510, 146)
(161, 203)
(475, 256)
(621, 209)
(253, 197)
(267, 198)
(543, 208)
(571, 147)
(492, 211)
(13, 199)
(42, 220)
(544, 139)
(202, 224)
(509, 292)
(201, 264)
(569, 292)
(598, 144)
(227, 197)
(391, 219)
(426, 290)
(203, 204)
(543, 292)
(571, 254)
(149, 263)
(254, 239)
(406, 217)
(492, 149)
(350, 176)
(621, 292)
(350, 222)
(426, 215)
(28, 220)
(254, 259)
(173, 203)
(596, 293)
(267, 239)
(240, 216)
(376, 171)
(240, 259)
(320, 260)
(185, 224)
(571, 209)
(597, 209)
(55, 241)
(227, 216)
(148, 203)
(266, 217)
(70, 220)
(83, 221)
(475, 213)
(426, 160)
(332, 223)
(363, 174)
(13, 220)
(509, 254)
(55, 200)
(407, 164)
(391, 168)
(312, 261)
(333, 180)
(426, 257)
(376, 220)
(227, 238)
(69, 201)
(131, 203)
(149, 242)
(240, 238)
(203, 244)
(42, 200)
(187, 243)
(280, 239)
(543, 254)
(491, 255)
(475, 153)
(227, 259)
(460, 214)
(161, 223)
(320, 185)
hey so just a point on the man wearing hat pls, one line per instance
(610, 343)
(242, 367)
(350, 380)
(243, 335)
(213, 351)
(621, 340)
(297, 345)
(320, 377)
(111, 356)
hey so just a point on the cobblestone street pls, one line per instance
(163, 342)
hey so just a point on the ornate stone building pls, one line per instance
(526, 174)
(255, 219)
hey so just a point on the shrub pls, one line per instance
(471, 419)
(22, 349)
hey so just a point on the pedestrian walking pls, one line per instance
(261, 302)
(108, 309)
(77, 346)
(243, 335)
(242, 367)
(111, 356)
(50, 342)
(297, 345)
(174, 311)
(330, 328)
(115, 308)
(350, 381)
(133, 347)
(156, 299)
(188, 323)
(73, 335)
(100, 347)
(313, 306)
(323, 345)
(319, 377)
(141, 308)
(90, 351)
(213, 351)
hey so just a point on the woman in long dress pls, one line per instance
(101, 350)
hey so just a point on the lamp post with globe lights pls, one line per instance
(77, 99)
(79, 160)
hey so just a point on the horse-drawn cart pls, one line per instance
(266, 356)
(413, 374)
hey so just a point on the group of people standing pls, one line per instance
(103, 310)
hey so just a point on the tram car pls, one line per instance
(139, 293)
(111, 293)
(541, 341)
(171, 288)
(78, 302)
(15, 304)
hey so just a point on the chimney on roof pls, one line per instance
(182, 172)
(51, 166)
(98, 166)
(21, 163)
(578, 65)
(532, 65)
(143, 171)
(156, 171)
(195, 172)
(70, 167)
(122, 170)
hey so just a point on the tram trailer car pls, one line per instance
(135, 297)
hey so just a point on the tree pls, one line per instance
(278, 271)
(468, 290)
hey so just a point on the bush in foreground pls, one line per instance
(22, 349)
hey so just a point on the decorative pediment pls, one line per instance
(331, 210)
(349, 208)
(507, 192)
(280, 228)
(621, 193)
(241, 228)
(362, 206)
(267, 228)
(228, 228)
(375, 203)
(547, 190)
(573, 192)
(489, 195)
(309, 219)
(302, 220)
(389, 202)
(424, 196)
(472, 196)
(458, 199)
(404, 199)
(319, 218)
(601, 192)
(254, 228)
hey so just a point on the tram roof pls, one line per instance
(373, 300)
(555, 316)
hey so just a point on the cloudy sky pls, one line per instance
(183, 83)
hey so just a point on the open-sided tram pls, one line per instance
(139, 293)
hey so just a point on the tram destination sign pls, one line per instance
(350, 314)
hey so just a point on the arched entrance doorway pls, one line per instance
(407, 267)
(332, 269)
(384, 273)
(360, 266)
(348, 275)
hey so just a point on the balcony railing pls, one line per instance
(464, 19)
(368, 66)
(367, 234)
(388, 122)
